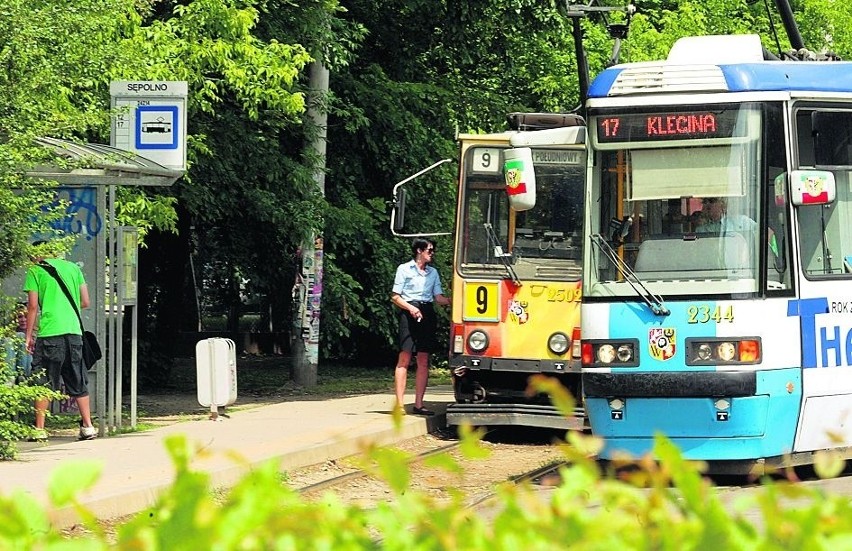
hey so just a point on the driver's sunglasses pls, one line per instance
(430, 250)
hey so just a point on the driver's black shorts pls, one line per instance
(418, 336)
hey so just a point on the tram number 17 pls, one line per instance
(610, 127)
(706, 313)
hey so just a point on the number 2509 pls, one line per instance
(564, 295)
(705, 314)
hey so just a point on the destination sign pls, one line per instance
(489, 160)
(557, 157)
(643, 127)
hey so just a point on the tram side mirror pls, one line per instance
(812, 187)
(520, 177)
(398, 211)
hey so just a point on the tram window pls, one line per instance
(825, 234)
(485, 202)
(825, 231)
(552, 229)
(777, 246)
(805, 138)
(832, 131)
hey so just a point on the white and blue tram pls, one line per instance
(717, 284)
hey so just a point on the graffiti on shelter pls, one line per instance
(81, 212)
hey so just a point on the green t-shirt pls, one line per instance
(57, 315)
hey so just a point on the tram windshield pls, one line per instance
(541, 243)
(675, 200)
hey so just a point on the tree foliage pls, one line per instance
(406, 76)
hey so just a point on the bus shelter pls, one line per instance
(106, 252)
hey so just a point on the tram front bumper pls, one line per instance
(528, 415)
(709, 415)
(483, 363)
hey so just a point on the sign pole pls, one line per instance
(306, 341)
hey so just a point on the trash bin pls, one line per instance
(216, 371)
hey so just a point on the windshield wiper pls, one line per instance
(654, 302)
(505, 258)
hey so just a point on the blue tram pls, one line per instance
(717, 272)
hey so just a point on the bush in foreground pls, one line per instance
(17, 408)
(663, 504)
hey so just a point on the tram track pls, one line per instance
(546, 475)
(506, 462)
(357, 474)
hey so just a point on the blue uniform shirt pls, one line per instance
(411, 284)
(733, 223)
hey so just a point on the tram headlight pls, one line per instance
(704, 352)
(624, 353)
(477, 341)
(606, 353)
(726, 351)
(558, 343)
(609, 353)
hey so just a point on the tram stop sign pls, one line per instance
(149, 119)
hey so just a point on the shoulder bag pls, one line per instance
(91, 348)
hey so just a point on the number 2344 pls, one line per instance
(706, 314)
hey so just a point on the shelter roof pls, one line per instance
(99, 164)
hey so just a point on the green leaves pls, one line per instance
(71, 478)
(210, 43)
(135, 207)
(664, 503)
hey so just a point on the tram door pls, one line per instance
(824, 304)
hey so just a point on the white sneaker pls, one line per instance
(87, 433)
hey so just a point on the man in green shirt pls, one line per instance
(58, 350)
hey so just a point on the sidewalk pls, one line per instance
(136, 466)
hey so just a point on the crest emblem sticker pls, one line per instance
(661, 342)
(518, 311)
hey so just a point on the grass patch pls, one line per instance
(140, 427)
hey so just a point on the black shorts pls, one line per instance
(418, 336)
(61, 357)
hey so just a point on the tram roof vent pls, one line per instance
(665, 77)
(692, 66)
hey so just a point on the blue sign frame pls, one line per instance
(170, 110)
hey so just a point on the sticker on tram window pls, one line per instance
(707, 313)
(481, 301)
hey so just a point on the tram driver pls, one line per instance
(714, 218)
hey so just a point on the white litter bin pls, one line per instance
(216, 370)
